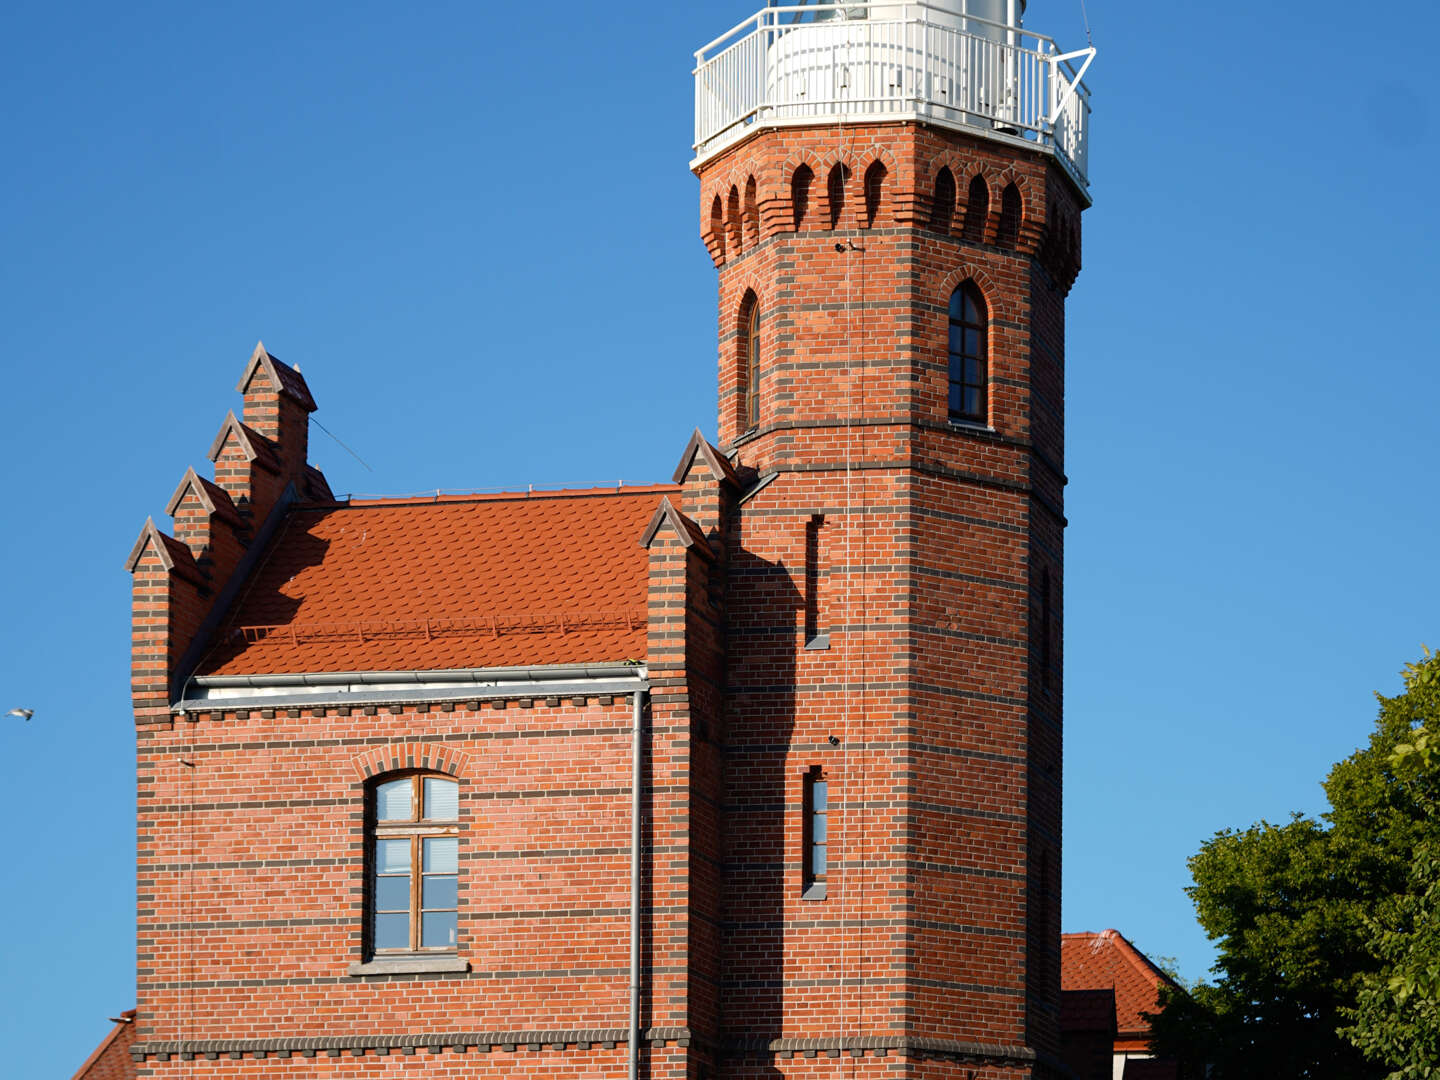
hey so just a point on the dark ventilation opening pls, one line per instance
(835, 193)
(977, 209)
(800, 194)
(874, 187)
(1007, 233)
(942, 207)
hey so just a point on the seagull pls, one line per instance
(24, 714)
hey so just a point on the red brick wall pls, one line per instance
(939, 930)
(941, 919)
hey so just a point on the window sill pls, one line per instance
(814, 891)
(410, 965)
(819, 641)
(971, 425)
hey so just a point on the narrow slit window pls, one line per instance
(969, 377)
(816, 833)
(752, 367)
(817, 630)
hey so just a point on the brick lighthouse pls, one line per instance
(892, 196)
(754, 773)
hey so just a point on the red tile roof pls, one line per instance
(454, 582)
(111, 1060)
(1106, 960)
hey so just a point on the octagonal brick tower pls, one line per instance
(892, 195)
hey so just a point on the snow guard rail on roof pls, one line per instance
(827, 63)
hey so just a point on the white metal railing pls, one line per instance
(891, 60)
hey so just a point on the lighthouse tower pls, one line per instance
(892, 196)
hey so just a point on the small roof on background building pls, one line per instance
(1105, 960)
(449, 582)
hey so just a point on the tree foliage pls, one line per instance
(1328, 931)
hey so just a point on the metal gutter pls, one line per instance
(420, 696)
(545, 673)
(227, 692)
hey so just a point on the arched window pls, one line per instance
(942, 206)
(968, 376)
(750, 345)
(800, 183)
(414, 848)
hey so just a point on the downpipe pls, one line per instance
(636, 754)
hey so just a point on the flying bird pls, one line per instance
(24, 714)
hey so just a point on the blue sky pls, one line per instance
(475, 230)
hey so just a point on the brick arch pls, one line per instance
(713, 226)
(977, 229)
(1012, 219)
(839, 180)
(942, 197)
(734, 226)
(987, 285)
(787, 219)
(427, 756)
(750, 211)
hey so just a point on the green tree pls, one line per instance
(1327, 930)
(1397, 1015)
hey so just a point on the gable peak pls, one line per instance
(284, 379)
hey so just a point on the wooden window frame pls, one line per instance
(417, 829)
(981, 327)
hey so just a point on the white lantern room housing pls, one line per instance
(965, 64)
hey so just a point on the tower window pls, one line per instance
(752, 366)
(817, 634)
(414, 854)
(816, 837)
(968, 375)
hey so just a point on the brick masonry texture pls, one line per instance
(854, 584)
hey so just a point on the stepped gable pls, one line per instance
(452, 582)
(1091, 961)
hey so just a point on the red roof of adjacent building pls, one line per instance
(447, 582)
(1090, 961)
(111, 1060)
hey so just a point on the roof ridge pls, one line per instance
(506, 496)
(1138, 959)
